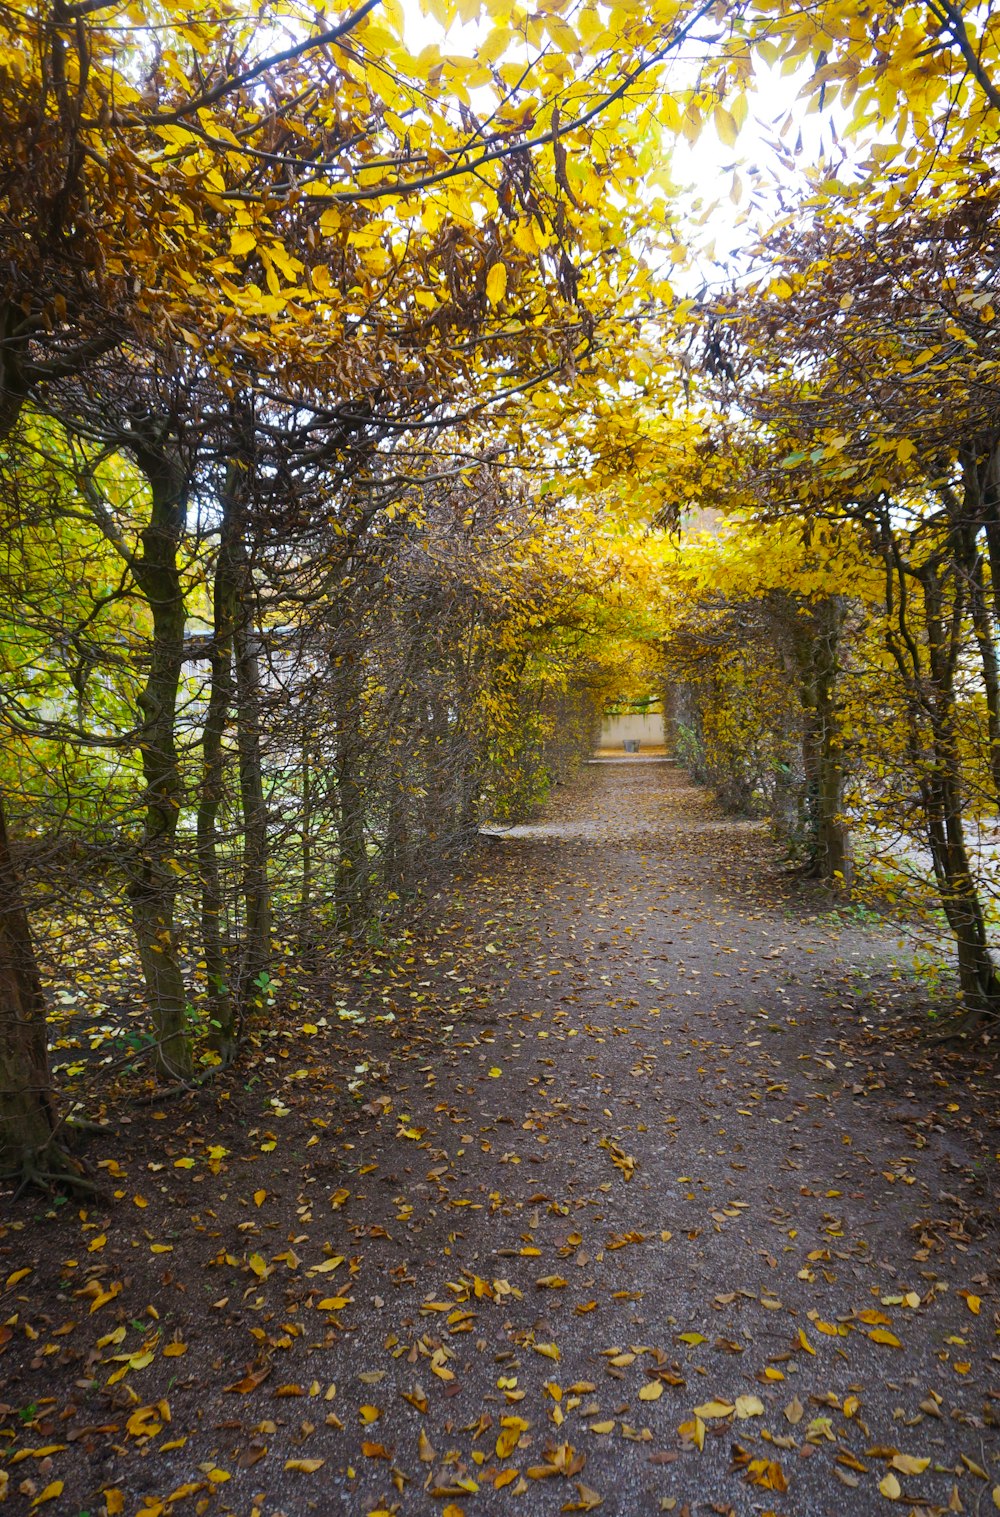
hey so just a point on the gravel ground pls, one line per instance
(652, 1195)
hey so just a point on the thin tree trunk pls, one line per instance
(26, 1105)
(222, 1013)
(154, 887)
(988, 659)
(256, 956)
(27, 1119)
(832, 838)
(352, 841)
(822, 755)
(945, 805)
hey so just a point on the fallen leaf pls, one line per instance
(908, 1464)
(51, 1491)
(882, 1335)
(327, 1265)
(766, 1473)
(250, 1381)
(587, 1500)
(693, 1432)
(511, 1429)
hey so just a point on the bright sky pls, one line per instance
(714, 182)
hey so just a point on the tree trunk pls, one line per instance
(256, 955)
(154, 886)
(222, 1015)
(944, 802)
(26, 1105)
(307, 945)
(983, 627)
(26, 1110)
(827, 837)
(832, 844)
(352, 839)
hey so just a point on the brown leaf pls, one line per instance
(250, 1381)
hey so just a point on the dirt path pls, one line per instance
(679, 1148)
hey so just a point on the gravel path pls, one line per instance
(660, 1201)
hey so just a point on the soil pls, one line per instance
(637, 1183)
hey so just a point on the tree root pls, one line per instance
(84, 1124)
(50, 1169)
(966, 1026)
(189, 1087)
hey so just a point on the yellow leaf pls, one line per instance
(749, 1406)
(259, 1197)
(305, 1466)
(496, 289)
(334, 1303)
(890, 1487)
(425, 1449)
(651, 1391)
(882, 1335)
(725, 125)
(369, 1414)
(694, 1432)
(174, 1350)
(804, 1341)
(908, 1464)
(714, 1409)
(19, 1274)
(51, 1491)
(243, 240)
(495, 1073)
(511, 1429)
(259, 1266)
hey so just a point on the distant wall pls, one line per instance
(619, 729)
